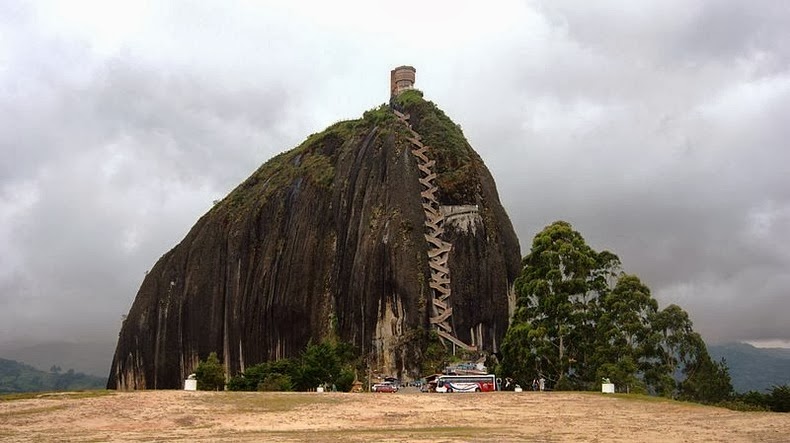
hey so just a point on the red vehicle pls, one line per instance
(384, 387)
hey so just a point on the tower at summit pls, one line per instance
(401, 79)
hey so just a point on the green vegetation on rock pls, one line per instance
(457, 165)
(313, 160)
(379, 116)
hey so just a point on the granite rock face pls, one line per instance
(327, 239)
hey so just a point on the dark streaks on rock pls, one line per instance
(324, 240)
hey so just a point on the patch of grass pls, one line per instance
(86, 394)
(32, 411)
(185, 421)
(390, 433)
(734, 405)
(20, 396)
(379, 116)
(56, 395)
(643, 398)
(742, 406)
(319, 169)
(268, 401)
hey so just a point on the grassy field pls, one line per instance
(404, 416)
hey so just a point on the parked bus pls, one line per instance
(466, 383)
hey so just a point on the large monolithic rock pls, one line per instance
(329, 239)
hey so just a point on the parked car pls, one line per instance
(392, 380)
(384, 387)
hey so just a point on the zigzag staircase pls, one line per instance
(439, 250)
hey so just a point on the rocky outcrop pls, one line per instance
(328, 239)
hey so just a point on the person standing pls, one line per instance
(542, 383)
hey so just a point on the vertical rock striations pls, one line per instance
(329, 239)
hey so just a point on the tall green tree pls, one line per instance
(557, 304)
(328, 362)
(705, 381)
(672, 342)
(679, 349)
(624, 349)
(319, 364)
(779, 399)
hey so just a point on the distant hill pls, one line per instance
(89, 357)
(752, 368)
(19, 377)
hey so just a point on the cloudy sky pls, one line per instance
(658, 129)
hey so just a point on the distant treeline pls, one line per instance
(19, 377)
(777, 400)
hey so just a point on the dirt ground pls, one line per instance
(403, 416)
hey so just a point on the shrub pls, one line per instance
(264, 375)
(378, 116)
(738, 405)
(779, 399)
(238, 383)
(276, 382)
(753, 398)
(345, 380)
(563, 384)
(210, 374)
(249, 379)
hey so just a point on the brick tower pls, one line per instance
(401, 79)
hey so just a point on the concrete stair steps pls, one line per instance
(438, 255)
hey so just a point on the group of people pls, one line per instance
(538, 384)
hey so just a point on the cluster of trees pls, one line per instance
(777, 400)
(19, 377)
(328, 363)
(580, 319)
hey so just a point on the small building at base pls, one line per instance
(190, 384)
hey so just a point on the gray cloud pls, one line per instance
(656, 129)
(680, 168)
(113, 160)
